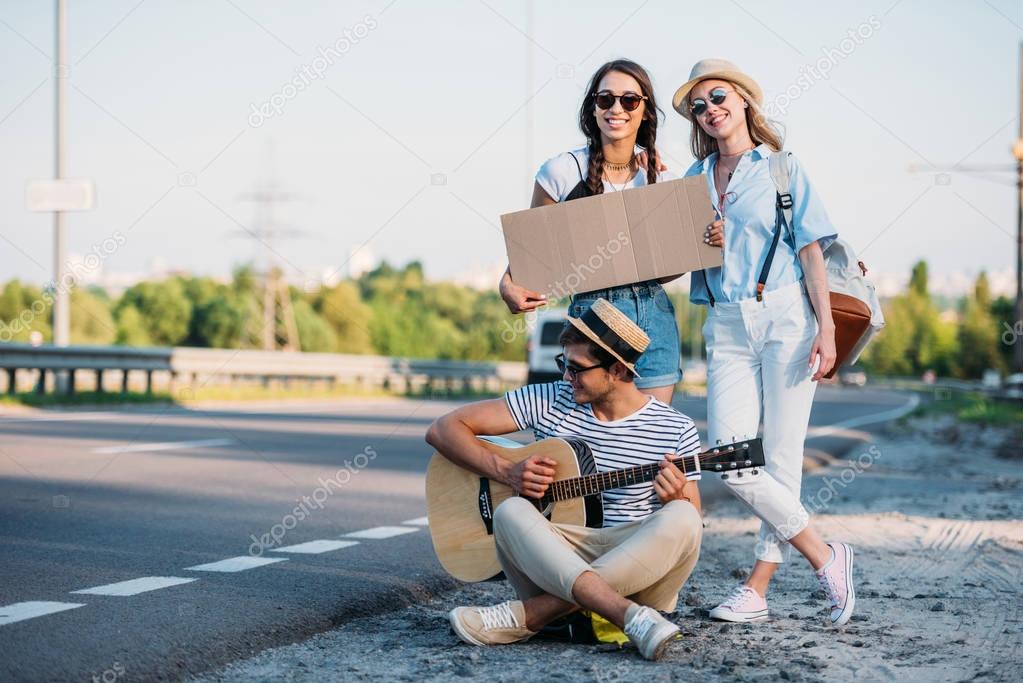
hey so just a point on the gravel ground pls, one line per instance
(934, 516)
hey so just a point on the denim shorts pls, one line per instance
(647, 305)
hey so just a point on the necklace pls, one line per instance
(613, 166)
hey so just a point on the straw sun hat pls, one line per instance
(721, 69)
(612, 331)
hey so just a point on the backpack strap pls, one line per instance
(779, 166)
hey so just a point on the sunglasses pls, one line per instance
(606, 99)
(717, 96)
(572, 371)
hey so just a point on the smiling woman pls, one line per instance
(770, 337)
(619, 118)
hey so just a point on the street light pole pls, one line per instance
(1017, 354)
(61, 317)
(61, 301)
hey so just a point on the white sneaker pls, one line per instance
(649, 631)
(836, 580)
(743, 605)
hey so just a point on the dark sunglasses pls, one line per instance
(717, 96)
(573, 372)
(606, 99)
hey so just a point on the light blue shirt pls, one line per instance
(749, 209)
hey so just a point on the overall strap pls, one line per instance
(779, 166)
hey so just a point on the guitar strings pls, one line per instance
(579, 486)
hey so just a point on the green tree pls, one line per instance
(918, 279)
(889, 353)
(915, 337)
(979, 333)
(164, 309)
(218, 313)
(24, 309)
(343, 309)
(314, 333)
(91, 319)
(1003, 310)
(131, 327)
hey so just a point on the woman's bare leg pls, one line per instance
(808, 542)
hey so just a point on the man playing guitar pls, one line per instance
(630, 570)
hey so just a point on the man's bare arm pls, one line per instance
(454, 437)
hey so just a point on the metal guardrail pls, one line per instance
(183, 366)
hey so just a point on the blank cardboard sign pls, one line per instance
(611, 239)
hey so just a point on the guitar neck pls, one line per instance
(590, 484)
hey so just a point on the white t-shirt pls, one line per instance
(559, 175)
(646, 436)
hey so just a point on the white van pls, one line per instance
(543, 329)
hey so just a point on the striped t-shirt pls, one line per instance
(647, 435)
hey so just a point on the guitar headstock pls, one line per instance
(734, 456)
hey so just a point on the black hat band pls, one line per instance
(611, 338)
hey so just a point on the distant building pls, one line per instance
(480, 276)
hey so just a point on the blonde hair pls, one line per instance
(762, 130)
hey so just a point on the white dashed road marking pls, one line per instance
(379, 532)
(20, 611)
(418, 521)
(314, 547)
(135, 586)
(236, 564)
(165, 446)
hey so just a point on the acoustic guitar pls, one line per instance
(460, 504)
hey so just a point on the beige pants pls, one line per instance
(646, 561)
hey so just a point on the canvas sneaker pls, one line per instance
(494, 625)
(836, 580)
(743, 605)
(649, 631)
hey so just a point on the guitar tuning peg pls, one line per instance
(718, 442)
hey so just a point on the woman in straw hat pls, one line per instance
(618, 113)
(769, 332)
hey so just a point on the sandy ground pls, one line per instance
(933, 514)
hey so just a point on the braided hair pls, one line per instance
(645, 136)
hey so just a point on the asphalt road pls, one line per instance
(90, 500)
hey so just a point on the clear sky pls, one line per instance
(162, 96)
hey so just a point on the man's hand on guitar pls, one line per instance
(532, 476)
(670, 484)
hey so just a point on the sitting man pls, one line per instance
(650, 542)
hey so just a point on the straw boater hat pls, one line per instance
(721, 69)
(612, 331)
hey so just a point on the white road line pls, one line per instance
(379, 532)
(236, 564)
(315, 547)
(853, 422)
(135, 586)
(418, 521)
(21, 611)
(165, 446)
